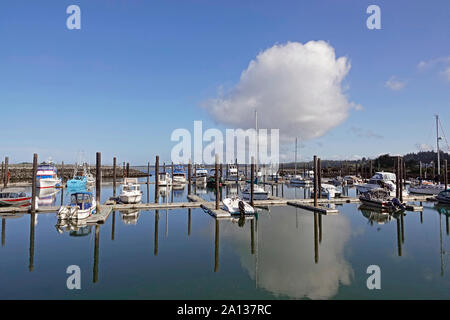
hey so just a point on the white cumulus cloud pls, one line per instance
(295, 87)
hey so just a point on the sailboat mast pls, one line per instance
(295, 164)
(257, 141)
(437, 144)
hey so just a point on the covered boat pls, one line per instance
(81, 207)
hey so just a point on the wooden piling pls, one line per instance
(316, 233)
(401, 180)
(316, 181)
(157, 179)
(114, 176)
(6, 178)
(98, 179)
(217, 181)
(148, 182)
(128, 169)
(189, 177)
(252, 182)
(370, 168)
(319, 177)
(397, 178)
(33, 183)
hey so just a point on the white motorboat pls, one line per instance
(235, 205)
(300, 180)
(131, 191)
(232, 172)
(352, 180)
(201, 175)
(329, 191)
(384, 180)
(81, 207)
(258, 192)
(179, 176)
(428, 189)
(164, 179)
(47, 176)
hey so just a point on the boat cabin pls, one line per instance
(12, 194)
(83, 200)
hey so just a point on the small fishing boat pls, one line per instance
(81, 207)
(164, 179)
(381, 199)
(258, 192)
(47, 176)
(131, 191)
(444, 197)
(235, 205)
(352, 180)
(179, 176)
(14, 197)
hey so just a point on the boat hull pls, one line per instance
(130, 198)
(47, 183)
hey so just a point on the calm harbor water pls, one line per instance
(286, 253)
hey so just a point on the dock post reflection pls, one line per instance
(189, 222)
(252, 236)
(155, 250)
(167, 223)
(96, 253)
(31, 253)
(3, 231)
(403, 226)
(113, 225)
(316, 239)
(216, 248)
(399, 239)
(320, 228)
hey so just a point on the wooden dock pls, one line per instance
(321, 208)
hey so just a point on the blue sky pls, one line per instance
(137, 70)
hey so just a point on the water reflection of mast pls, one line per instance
(32, 227)
(441, 249)
(96, 252)
(252, 236)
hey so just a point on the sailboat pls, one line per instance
(431, 188)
